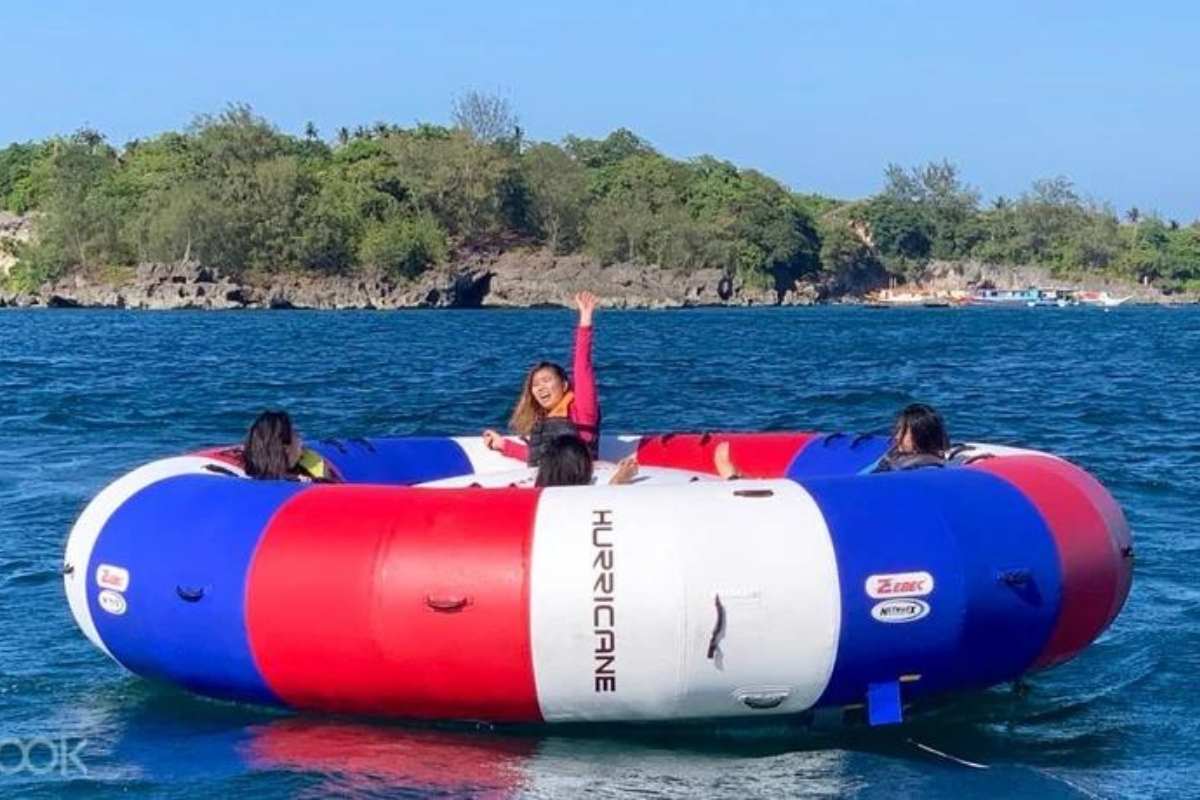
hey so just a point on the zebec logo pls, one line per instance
(899, 584)
(110, 577)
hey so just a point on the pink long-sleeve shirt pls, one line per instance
(584, 410)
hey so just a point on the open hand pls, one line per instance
(586, 303)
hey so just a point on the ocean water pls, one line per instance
(87, 395)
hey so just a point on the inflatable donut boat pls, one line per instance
(437, 583)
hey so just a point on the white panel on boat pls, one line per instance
(624, 590)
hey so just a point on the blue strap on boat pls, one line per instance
(883, 703)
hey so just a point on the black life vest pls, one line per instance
(899, 462)
(546, 429)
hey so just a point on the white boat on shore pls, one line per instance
(1102, 299)
(1004, 297)
(1053, 298)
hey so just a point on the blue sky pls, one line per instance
(819, 95)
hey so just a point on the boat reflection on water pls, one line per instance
(361, 759)
(164, 744)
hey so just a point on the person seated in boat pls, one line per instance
(919, 439)
(567, 461)
(552, 405)
(274, 450)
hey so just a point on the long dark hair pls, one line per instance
(528, 410)
(925, 426)
(565, 461)
(268, 445)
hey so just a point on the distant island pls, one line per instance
(234, 213)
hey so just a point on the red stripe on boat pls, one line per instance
(1118, 527)
(405, 602)
(231, 455)
(757, 455)
(1089, 531)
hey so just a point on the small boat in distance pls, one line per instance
(1102, 299)
(1005, 297)
(1031, 297)
(1053, 298)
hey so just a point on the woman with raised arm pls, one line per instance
(551, 404)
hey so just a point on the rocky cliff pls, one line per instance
(14, 230)
(514, 279)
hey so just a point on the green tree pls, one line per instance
(948, 208)
(83, 219)
(20, 191)
(616, 147)
(901, 231)
(558, 193)
(404, 247)
(460, 182)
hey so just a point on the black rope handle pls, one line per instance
(858, 440)
(1014, 577)
(190, 594)
(447, 605)
(718, 628)
(958, 450)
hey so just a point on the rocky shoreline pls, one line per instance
(515, 279)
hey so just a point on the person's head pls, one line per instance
(272, 447)
(565, 461)
(545, 386)
(919, 429)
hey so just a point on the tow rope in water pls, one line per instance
(955, 759)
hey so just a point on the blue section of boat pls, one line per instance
(838, 454)
(187, 543)
(996, 590)
(401, 461)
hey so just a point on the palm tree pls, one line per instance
(310, 131)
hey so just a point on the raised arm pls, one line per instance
(585, 411)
